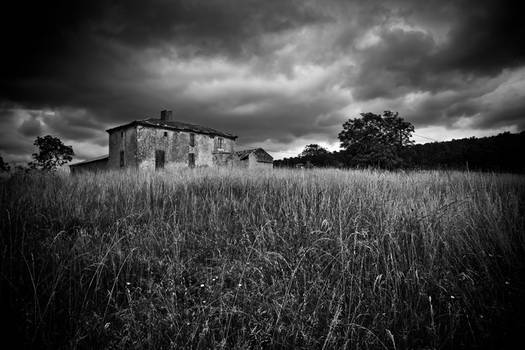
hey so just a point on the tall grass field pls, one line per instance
(231, 259)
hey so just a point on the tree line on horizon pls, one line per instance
(383, 141)
(370, 141)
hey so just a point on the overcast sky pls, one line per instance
(280, 74)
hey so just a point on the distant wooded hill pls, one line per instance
(502, 153)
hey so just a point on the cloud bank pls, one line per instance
(278, 73)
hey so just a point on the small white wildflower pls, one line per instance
(452, 297)
(240, 285)
(507, 283)
(128, 283)
(204, 301)
(202, 285)
(106, 326)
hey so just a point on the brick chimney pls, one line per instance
(166, 115)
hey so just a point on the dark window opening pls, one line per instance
(191, 160)
(192, 140)
(122, 159)
(122, 134)
(220, 143)
(165, 134)
(160, 158)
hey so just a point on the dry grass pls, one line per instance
(287, 258)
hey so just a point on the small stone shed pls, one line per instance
(254, 158)
(165, 143)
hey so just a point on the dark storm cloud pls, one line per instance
(85, 56)
(486, 37)
(64, 30)
(269, 71)
(73, 124)
(396, 65)
(31, 128)
(210, 26)
(482, 40)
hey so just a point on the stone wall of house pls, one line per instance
(225, 156)
(238, 163)
(177, 148)
(123, 140)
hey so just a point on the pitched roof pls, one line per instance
(260, 154)
(92, 160)
(175, 125)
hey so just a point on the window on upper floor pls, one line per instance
(165, 134)
(220, 144)
(192, 140)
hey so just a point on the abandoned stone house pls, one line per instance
(153, 144)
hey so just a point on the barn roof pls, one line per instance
(175, 125)
(260, 154)
(92, 160)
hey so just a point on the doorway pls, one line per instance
(191, 160)
(160, 159)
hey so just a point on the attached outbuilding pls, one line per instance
(92, 165)
(254, 158)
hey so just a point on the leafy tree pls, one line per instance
(376, 140)
(4, 167)
(315, 155)
(313, 150)
(52, 153)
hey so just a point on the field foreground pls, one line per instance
(280, 259)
